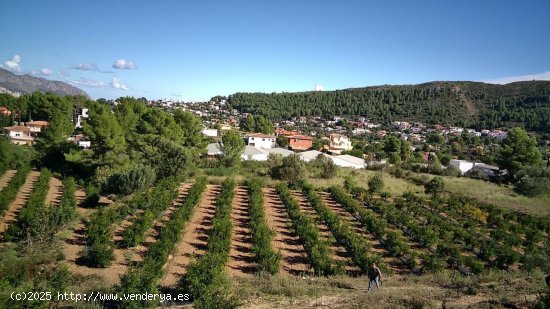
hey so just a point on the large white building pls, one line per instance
(339, 143)
(260, 140)
(463, 165)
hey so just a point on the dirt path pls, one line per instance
(20, 199)
(295, 259)
(54, 192)
(375, 246)
(195, 237)
(6, 178)
(339, 253)
(241, 257)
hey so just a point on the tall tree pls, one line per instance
(232, 148)
(517, 151)
(105, 133)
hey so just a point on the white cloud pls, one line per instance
(117, 84)
(123, 64)
(86, 67)
(46, 71)
(89, 83)
(511, 79)
(13, 64)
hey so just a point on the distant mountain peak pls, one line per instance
(29, 84)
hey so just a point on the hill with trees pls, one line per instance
(29, 84)
(459, 103)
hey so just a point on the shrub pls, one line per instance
(292, 169)
(267, 259)
(7, 195)
(344, 235)
(435, 186)
(376, 184)
(30, 220)
(532, 181)
(137, 178)
(307, 230)
(205, 277)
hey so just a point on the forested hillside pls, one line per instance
(455, 103)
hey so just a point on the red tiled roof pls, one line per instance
(300, 136)
(39, 123)
(17, 128)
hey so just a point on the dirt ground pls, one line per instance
(295, 259)
(54, 192)
(195, 237)
(241, 258)
(6, 178)
(20, 200)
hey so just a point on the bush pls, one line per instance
(435, 186)
(307, 230)
(376, 184)
(267, 259)
(31, 219)
(452, 171)
(292, 169)
(532, 181)
(137, 178)
(205, 277)
(344, 235)
(7, 195)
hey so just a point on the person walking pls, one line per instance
(374, 276)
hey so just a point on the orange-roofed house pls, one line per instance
(285, 132)
(36, 126)
(4, 111)
(300, 142)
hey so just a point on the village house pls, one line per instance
(36, 126)
(261, 140)
(463, 165)
(300, 142)
(210, 132)
(4, 111)
(339, 143)
(19, 135)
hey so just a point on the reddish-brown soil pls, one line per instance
(195, 237)
(393, 263)
(339, 253)
(54, 192)
(6, 178)
(152, 233)
(295, 260)
(241, 257)
(20, 200)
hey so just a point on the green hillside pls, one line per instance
(455, 103)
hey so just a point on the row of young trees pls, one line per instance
(157, 201)
(317, 249)
(378, 226)
(61, 214)
(205, 278)
(31, 216)
(355, 244)
(267, 259)
(144, 276)
(7, 195)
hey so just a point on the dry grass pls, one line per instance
(496, 289)
(395, 186)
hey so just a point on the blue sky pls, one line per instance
(193, 50)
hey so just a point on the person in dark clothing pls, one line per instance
(374, 276)
(548, 280)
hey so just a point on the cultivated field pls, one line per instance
(324, 241)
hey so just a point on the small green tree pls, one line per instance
(435, 186)
(376, 184)
(274, 163)
(232, 147)
(292, 169)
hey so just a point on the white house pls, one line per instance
(252, 153)
(210, 132)
(213, 149)
(339, 143)
(486, 169)
(463, 165)
(261, 140)
(19, 135)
